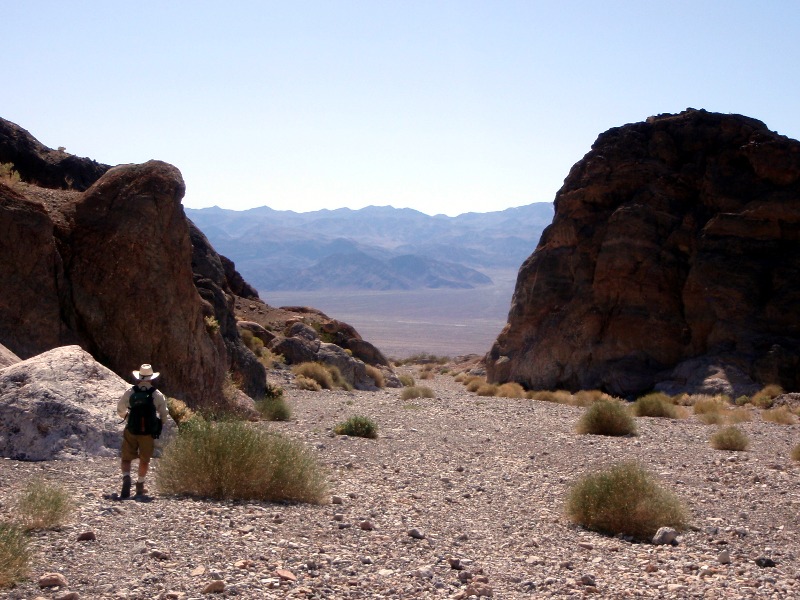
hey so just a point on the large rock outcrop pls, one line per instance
(114, 270)
(42, 166)
(673, 257)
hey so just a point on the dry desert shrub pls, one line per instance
(796, 453)
(624, 500)
(588, 397)
(376, 375)
(656, 404)
(406, 380)
(558, 396)
(232, 460)
(780, 415)
(357, 426)
(41, 505)
(487, 389)
(730, 438)
(705, 405)
(413, 391)
(739, 415)
(179, 411)
(474, 383)
(15, 554)
(460, 377)
(327, 376)
(606, 417)
(765, 398)
(510, 390)
(304, 383)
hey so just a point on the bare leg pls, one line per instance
(126, 466)
(143, 466)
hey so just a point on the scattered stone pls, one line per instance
(198, 571)
(87, 536)
(416, 534)
(455, 563)
(588, 580)
(724, 557)
(586, 545)
(285, 575)
(765, 562)
(480, 589)
(337, 500)
(67, 596)
(366, 525)
(665, 535)
(158, 554)
(215, 587)
(52, 580)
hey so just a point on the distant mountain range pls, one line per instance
(374, 248)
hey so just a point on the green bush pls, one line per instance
(357, 426)
(625, 499)
(43, 506)
(656, 404)
(607, 417)
(233, 460)
(417, 391)
(274, 409)
(15, 554)
(730, 438)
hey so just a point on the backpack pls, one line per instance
(142, 417)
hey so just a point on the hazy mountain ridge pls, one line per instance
(377, 247)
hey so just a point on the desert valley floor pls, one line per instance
(479, 482)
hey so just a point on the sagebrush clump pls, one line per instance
(730, 438)
(780, 415)
(765, 398)
(796, 453)
(656, 404)
(15, 554)
(233, 460)
(607, 417)
(274, 408)
(357, 426)
(624, 500)
(417, 391)
(510, 390)
(41, 505)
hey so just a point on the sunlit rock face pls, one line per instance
(674, 249)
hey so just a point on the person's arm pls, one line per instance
(161, 406)
(123, 404)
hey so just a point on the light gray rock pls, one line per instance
(665, 535)
(353, 370)
(59, 405)
(7, 357)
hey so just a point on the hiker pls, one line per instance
(146, 411)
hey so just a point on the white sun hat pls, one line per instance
(145, 373)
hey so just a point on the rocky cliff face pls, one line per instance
(673, 253)
(113, 270)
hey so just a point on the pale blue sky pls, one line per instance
(442, 106)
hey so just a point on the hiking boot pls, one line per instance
(140, 488)
(126, 487)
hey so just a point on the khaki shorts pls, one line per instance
(137, 446)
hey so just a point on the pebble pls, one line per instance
(52, 580)
(416, 534)
(215, 587)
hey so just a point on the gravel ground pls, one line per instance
(458, 496)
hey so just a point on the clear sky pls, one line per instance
(442, 106)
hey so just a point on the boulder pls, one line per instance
(673, 240)
(353, 370)
(59, 405)
(257, 331)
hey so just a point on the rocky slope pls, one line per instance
(672, 259)
(482, 481)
